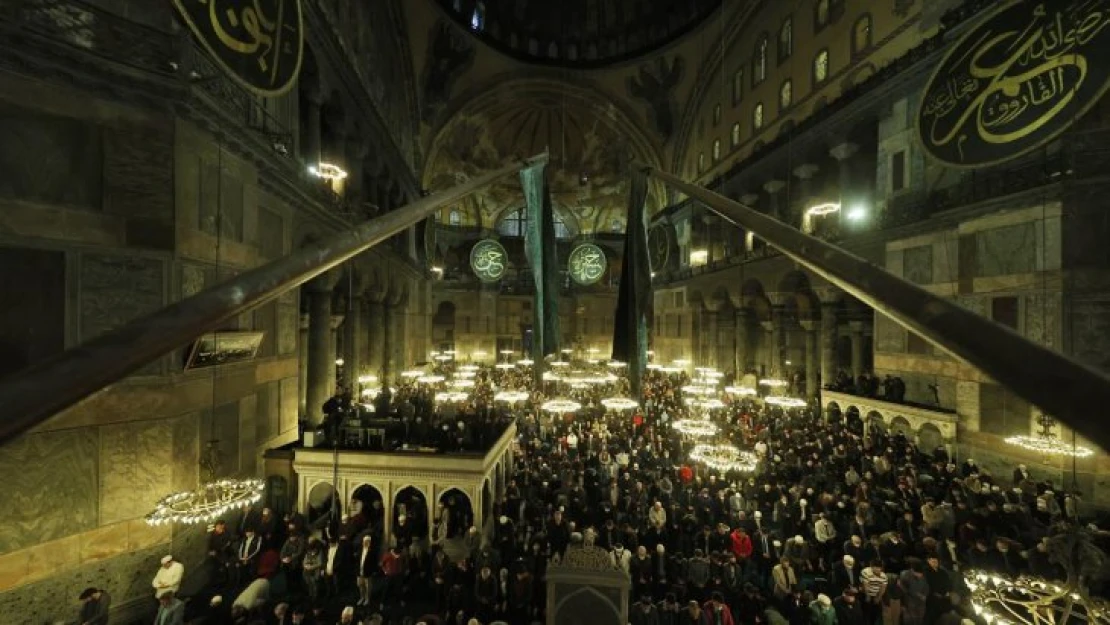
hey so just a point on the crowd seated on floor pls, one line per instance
(834, 525)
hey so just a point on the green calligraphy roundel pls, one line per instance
(1017, 80)
(489, 260)
(587, 264)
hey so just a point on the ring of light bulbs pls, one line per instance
(561, 406)
(207, 503)
(773, 382)
(785, 402)
(620, 403)
(1002, 600)
(723, 457)
(430, 379)
(451, 396)
(695, 428)
(741, 391)
(511, 397)
(1050, 446)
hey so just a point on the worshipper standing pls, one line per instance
(312, 565)
(365, 571)
(95, 604)
(915, 592)
(246, 562)
(254, 596)
(873, 583)
(171, 610)
(168, 577)
(716, 611)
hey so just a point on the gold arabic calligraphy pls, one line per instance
(1011, 84)
(588, 264)
(489, 262)
(249, 31)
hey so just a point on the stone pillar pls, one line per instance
(375, 330)
(302, 365)
(743, 342)
(778, 335)
(776, 205)
(388, 342)
(336, 321)
(709, 337)
(829, 328)
(321, 348)
(812, 357)
(769, 347)
(357, 149)
(312, 128)
(857, 348)
(352, 355)
(805, 174)
(843, 153)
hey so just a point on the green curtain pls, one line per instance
(539, 248)
(635, 302)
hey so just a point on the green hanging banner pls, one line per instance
(259, 43)
(539, 248)
(635, 302)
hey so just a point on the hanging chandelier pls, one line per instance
(414, 373)
(462, 383)
(561, 406)
(741, 391)
(785, 402)
(773, 382)
(505, 365)
(1029, 600)
(620, 403)
(695, 428)
(430, 379)
(616, 364)
(723, 457)
(452, 396)
(211, 500)
(706, 404)
(511, 397)
(327, 171)
(525, 362)
(1046, 442)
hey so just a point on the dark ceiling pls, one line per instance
(578, 33)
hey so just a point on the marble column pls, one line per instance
(336, 351)
(776, 203)
(321, 349)
(312, 128)
(352, 355)
(743, 342)
(778, 336)
(375, 330)
(812, 356)
(843, 154)
(388, 342)
(357, 149)
(768, 348)
(857, 348)
(829, 330)
(302, 364)
(805, 174)
(709, 338)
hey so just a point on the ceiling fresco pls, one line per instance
(591, 144)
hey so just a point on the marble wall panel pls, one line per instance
(225, 429)
(115, 290)
(889, 336)
(917, 264)
(268, 423)
(138, 172)
(975, 303)
(1007, 250)
(136, 462)
(290, 401)
(248, 431)
(288, 327)
(193, 279)
(186, 450)
(1090, 324)
(127, 577)
(41, 473)
(52, 160)
(271, 234)
(1042, 319)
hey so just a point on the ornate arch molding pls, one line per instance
(709, 70)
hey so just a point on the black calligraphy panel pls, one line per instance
(1016, 81)
(259, 43)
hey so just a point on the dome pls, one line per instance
(578, 33)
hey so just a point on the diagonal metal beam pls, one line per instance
(1075, 394)
(35, 394)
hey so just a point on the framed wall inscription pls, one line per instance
(223, 348)
(260, 44)
(488, 260)
(587, 263)
(1016, 81)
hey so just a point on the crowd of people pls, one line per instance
(834, 526)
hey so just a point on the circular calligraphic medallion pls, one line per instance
(659, 246)
(587, 264)
(1015, 81)
(488, 259)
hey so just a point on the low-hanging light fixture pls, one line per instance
(724, 457)
(1046, 442)
(695, 428)
(327, 171)
(211, 500)
(511, 397)
(620, 403)
(741, 391)
(785, 402)
(561, 406)
(823, 209)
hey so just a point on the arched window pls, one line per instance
(820, 15)
(786, 94)
(454, 217)
(716, 114)
(861, 34)
(478, 18)
(701, 162)
(757, 117)
(736, 134)
(716, 150)
(821, 67)
(786, 40)
(737, 86)
(515, 224)
(759, 62)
